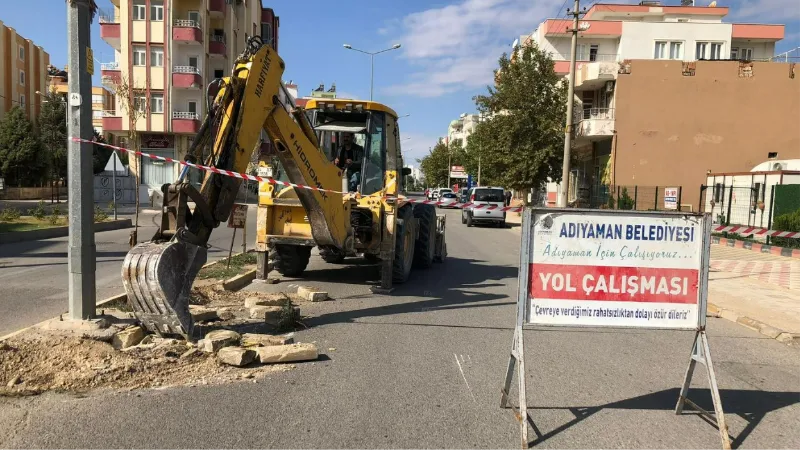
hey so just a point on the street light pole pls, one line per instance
(371, 62)
(81, 248)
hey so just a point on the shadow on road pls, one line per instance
(451, 285)
(750, 405)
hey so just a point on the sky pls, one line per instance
(449, 47)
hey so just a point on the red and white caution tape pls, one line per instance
(758, 232)
(244, 176)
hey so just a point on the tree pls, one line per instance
(521, 143)
(53, 134)
(133, 101)
(101, 154)
(434, 165)
(21, 157)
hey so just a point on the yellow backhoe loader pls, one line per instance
(251, 112)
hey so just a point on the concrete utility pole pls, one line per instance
(79, 163)
(563, 194)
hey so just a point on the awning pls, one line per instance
(342, 126)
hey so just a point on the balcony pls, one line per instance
(112, 121)
(110, 74)
(185, 122)
(593, 75)
(186, 77)
(594, 124)
(562, 63)
(186, 31)
(216, 45)
(216, 8)
(110, 30)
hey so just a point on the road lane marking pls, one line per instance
(461, 370)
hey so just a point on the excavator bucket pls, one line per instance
(158, 279)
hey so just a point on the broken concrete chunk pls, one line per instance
(236, 356)
(266, 300)
(217, 339)
(128, 337)
(287, 353)
(273, 280)
(264, 340)
(270, 314)
(311, 294)
(202, 314)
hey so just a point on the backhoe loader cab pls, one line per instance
(381, 225)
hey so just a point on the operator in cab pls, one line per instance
(349, 156)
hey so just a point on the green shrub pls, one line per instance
(625, 200)
(99, 214)
(9, 214)
(787, 222)
(55, 216)
(39, 212)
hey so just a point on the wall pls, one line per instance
(638, 38)
(671, 129)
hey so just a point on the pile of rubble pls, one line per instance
(240, 333)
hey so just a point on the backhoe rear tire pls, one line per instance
(425, 247)
(404, 245)
(289, 260)
(332, 255)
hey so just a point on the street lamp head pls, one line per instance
(348, 46)
(396, 46)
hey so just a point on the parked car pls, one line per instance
(487, 206)
(463, 195)
(448, 197)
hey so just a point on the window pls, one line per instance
(675, 49)
(372, 172)
(140, 103)
(97, 114)
(192, 106)
(735, 53)
(708, 50)
(22, 101)
(139, 10)
(138, 55)
(195, 16)
(156, 56)
(593, 52)
(266, 33)
(193, 61)
(746, 54)
(581, 53)
(97, 98)
(22, 77)
(157, 10)
(157, 103)
(219, 73)
(22, 53)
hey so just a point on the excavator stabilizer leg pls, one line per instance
(158, 278)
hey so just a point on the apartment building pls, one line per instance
(102, 99)
(677, 47)
(462, 128)
(171, 50)
(23, 71)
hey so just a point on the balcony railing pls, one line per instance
(218, 38)
(110, 66)
(594, 113)
(185, 115)
(186, 23)
(186, 69)
(107, 17)
(586, 57)
(109, 113)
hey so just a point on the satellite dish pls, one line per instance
(713, 4)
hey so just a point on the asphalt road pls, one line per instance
(34, 277)
(424, 367)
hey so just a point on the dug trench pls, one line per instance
(121, 356)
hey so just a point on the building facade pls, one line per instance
(102, 99)
(170, 50)
(23, 72)
(613, 39)
(462, 128)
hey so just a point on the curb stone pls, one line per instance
(756, 325)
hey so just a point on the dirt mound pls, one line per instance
(34, 363)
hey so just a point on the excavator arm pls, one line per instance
(158, 275)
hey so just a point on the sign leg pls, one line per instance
(523, 399)
(701, 354)
(509, 372)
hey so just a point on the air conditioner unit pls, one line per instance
(777, 166)
(609, 86)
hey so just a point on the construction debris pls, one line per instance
(203, 314)
(287, 353)
(218, 339)
(236, 356)
(264, 340)
(128, 337)
(266, 300)
(311, 294)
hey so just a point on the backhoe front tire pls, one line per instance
(331, 255)
(404, 245)
(289, 260)
(425, 246)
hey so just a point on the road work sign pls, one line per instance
(621, 270)
(238, 216)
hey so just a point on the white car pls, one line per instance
(487, 206)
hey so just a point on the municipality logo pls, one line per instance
(545, 224)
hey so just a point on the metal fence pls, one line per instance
(632, 197)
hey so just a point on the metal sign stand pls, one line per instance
(700, 348)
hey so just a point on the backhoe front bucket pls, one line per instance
(158, 279)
